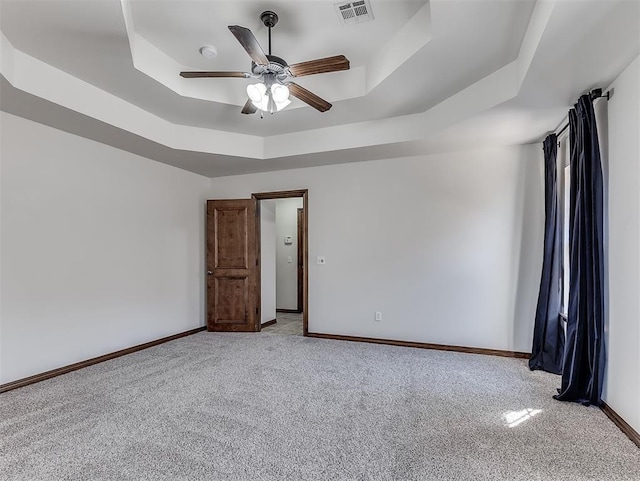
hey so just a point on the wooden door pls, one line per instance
(232, 272)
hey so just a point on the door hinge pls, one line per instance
(256, 261)
(257, 311)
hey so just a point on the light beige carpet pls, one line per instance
(273, 407)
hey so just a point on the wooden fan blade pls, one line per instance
(214, 74)
(249, 108)
(250, 44)
(309, 97)
(321, 65)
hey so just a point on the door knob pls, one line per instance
(209, 273)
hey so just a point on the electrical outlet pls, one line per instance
(378, 316)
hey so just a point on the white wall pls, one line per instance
(2, 116)
(448, 247)
(101, 249)
(287, 272)
(268, 260)
(622, 389)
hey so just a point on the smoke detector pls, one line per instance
(209, 52)
(354, 12)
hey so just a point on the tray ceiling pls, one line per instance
(420, 70)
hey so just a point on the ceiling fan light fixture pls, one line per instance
(273, 99)
(282, 104)
(256, 92)
(280, 93)
(263, 104)
(276, 75)
(258, 95)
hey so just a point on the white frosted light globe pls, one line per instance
(280, 93)
(256, 92)
(283, 104)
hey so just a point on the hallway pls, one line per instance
(288, 324)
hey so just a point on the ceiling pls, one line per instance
(425, 76)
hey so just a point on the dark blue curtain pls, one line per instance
(548, 334)
(584, 359)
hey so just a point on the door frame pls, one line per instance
(286, 194)
(300, 254)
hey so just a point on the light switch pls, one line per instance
(321, 260)
(289, 260)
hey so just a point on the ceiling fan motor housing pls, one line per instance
(276, 66)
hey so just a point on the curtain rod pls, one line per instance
(566, 126)
(594, 94)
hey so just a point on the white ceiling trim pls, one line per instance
(410, 39)
(7, 59)
(494, 89)
(535, 30)
(488, 92)
(38, 78)
(42, 80)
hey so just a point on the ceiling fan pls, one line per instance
(271, 94)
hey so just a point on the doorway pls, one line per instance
(285, 265)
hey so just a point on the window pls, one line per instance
(564, 182)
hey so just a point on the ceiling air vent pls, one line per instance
(354, 12)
